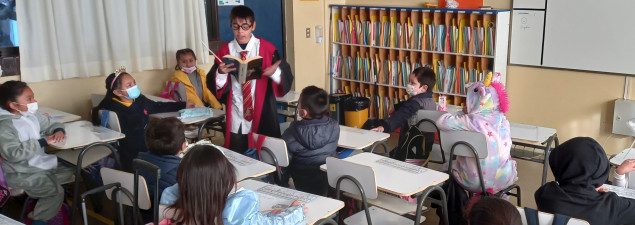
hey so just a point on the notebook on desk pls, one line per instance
(620, 191)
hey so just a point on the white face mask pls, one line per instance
(31, 107)
(188, 69)
(410, 89)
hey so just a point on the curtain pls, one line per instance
(62, 39)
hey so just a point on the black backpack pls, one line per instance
(532, 218)
(413, 144)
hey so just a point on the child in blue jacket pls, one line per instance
(203, 194)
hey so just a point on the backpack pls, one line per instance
(5, 192)
(413, 144)
(532, 218)
(63, 216)
(172, 92)
(254, 149)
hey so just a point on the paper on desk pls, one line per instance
(268, 203)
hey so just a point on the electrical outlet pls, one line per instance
(624, 112)
(308, 32)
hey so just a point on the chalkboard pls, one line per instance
(269, 21)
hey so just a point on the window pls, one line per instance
(213, 34)
(9, 42)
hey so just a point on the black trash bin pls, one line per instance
(356, 111)
(335, 110)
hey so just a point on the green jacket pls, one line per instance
(14, 153)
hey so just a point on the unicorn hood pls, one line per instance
(486, 104)
(487, 97)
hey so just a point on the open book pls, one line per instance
(248, 69)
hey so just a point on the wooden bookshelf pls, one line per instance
(374, 49)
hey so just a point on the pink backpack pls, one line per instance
(5, 193)
(170, 90)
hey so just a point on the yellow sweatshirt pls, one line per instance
(180, 76)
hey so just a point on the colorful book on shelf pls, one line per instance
(336, 19)
(393, 36)
(408, 34)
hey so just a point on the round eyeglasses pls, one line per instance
(244, 26)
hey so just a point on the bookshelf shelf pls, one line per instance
(416, 50)
(358, 81)
(374, 49)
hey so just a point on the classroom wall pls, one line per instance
(73, 95)
(575, 103)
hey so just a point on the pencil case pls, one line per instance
(194, 112)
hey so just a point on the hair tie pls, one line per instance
(118, 72)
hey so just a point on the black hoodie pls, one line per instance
(579, 166)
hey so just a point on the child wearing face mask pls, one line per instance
(194, 79)
(420, 86)
(310, 141)
(124, 98)
(23, 135)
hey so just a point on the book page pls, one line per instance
(234, 62)
(254, 69)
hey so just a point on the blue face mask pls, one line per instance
(133, 92)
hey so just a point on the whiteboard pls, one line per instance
(590, 35)
(527, 27)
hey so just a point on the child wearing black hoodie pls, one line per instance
(581, 167)
(310, 141)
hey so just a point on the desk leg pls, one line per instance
(442, 202)
(204, 124)
(78, 171)
(382, 143)
(545, 166)
(326, 221)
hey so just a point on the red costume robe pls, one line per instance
(265, 115)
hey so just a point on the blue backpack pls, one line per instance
(532, 218)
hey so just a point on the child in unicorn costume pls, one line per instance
(486, 104)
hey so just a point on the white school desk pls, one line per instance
(58, 116)
(394, 180)
(534, 137)
(355, 138)
(83, 133)
(358, 139)
(4, 220)
(625, 154)
(158, 99)
(96, 98)
(79, 136)
(290, 100)
(402, 182)
(290, 97)
(318, 208)
(246, 167)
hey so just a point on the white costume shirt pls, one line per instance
(237, 118)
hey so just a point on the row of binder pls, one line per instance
(453, 80)
(478, 40)
(372, 69)
(450, 79)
